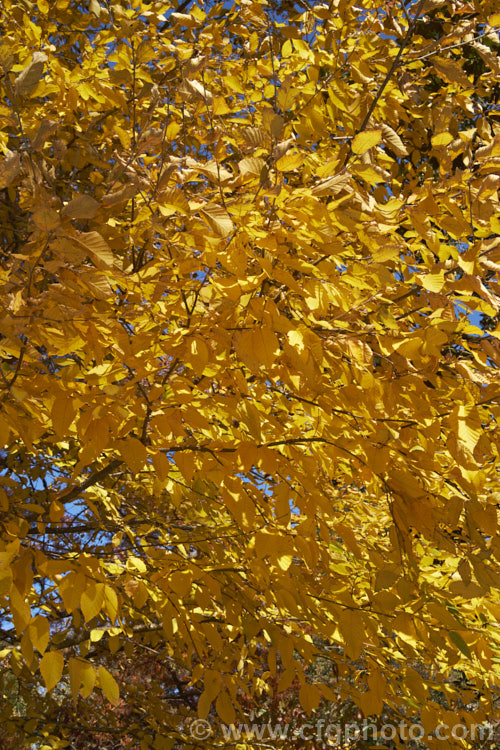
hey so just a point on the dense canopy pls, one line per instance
(249, 364)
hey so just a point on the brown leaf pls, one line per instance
(9, 168)
(45, 129)
(332, 185)
(393, 140)
(81, 207)
(451, 71)
(29, 77)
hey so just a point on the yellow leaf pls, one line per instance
(349, 538)
(441, 139)
(51, 668)
(87, 678)
(433, 282)
(92, 600)
(4, 432)
(377, 683)
(63, 413)
(251, 166)
(109, 686)
(289, 162)
(469, 434)
(218, 219)
(284, 561)
(215, 172)
(173, 200)
(332, 185)
(225, 708)
(6, 58)
(27, 648)
(371, 173)
(96, 247)
(20, 609)
(39, 631)
(161, 465)
(181, 581)
(266, 346)
(353, 632)
(309, 697)
(133, 453)
(71, 588)
(366, 140)
(193, 89)
(45, 129)
(110, 602)
(198, 355)
(75, 679)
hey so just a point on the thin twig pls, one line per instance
(444, 49)
(393, 67)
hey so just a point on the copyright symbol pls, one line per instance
(200, 729)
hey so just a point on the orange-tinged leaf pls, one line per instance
(51, 668)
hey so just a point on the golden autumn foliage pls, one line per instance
(249, 362)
